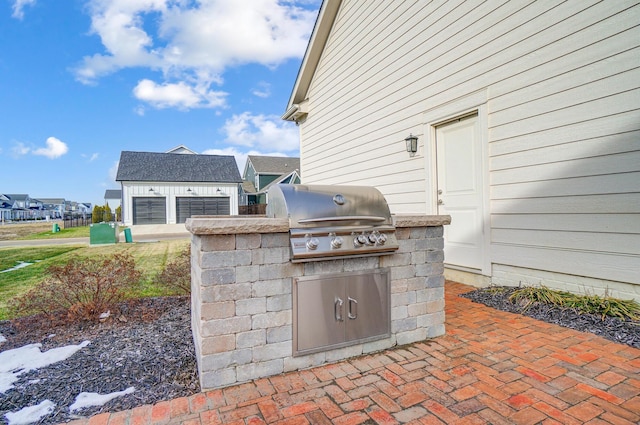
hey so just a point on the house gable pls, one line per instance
(182, 149)
(263, 170)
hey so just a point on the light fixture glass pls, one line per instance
(412, 144)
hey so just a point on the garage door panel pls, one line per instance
(149, 210)
(187, 207)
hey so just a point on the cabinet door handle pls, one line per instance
(337, 310)
(353, 308)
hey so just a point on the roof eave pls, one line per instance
(324, 22)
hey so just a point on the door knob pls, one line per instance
(439, 191)
(440, 202)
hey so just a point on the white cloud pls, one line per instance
(18, 8)
(91, 157)
(263, 90)
(180, 95)
(265, 132)
(193, 43)
(19, 149)
(55, 149)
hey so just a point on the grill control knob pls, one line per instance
(373, 239)
(382, 238)
(336, 242)
(359, 240)
(312, 243)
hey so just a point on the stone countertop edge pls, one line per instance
(231, 225)
(228, 225)
(418, 220)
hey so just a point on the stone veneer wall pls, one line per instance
(241, 299)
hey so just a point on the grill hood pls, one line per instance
(333, 221)
(312, 206)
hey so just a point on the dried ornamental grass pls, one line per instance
(605, 306)
(591, 304)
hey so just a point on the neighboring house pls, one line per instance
(20, 204)
(527, 116)
(113, 198)
(76, 209)
(5, 208)
(260, 172)
(168, 188)
(54, 207)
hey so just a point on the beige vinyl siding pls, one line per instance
(562, 82)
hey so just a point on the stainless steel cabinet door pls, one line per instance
(319, 313)
(367, 306)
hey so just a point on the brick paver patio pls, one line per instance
(491, 367)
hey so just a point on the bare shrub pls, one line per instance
(176, 276)
(84, 288)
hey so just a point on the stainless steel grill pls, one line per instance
(333, 221)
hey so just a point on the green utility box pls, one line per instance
(103, 233)
(55, 228)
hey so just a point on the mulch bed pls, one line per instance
(611, 328)
(146, 344)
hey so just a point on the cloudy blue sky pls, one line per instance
(83, 80)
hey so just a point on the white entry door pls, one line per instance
(460, 192)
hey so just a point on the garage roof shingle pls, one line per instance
(172, 167)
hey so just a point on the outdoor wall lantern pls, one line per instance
(218, 191)
(412, 144)
(189, 190)
(150, 189)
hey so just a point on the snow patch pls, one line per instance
(30, 414)
(21, 360)
(20, 265)
(94, 399)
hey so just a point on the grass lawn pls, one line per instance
(72, 232)
(150, 259)
(41, 230)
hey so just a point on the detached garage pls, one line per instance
(168, 188)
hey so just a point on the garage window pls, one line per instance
(187, 207)
(149, 210)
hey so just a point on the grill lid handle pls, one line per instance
(342, 218)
